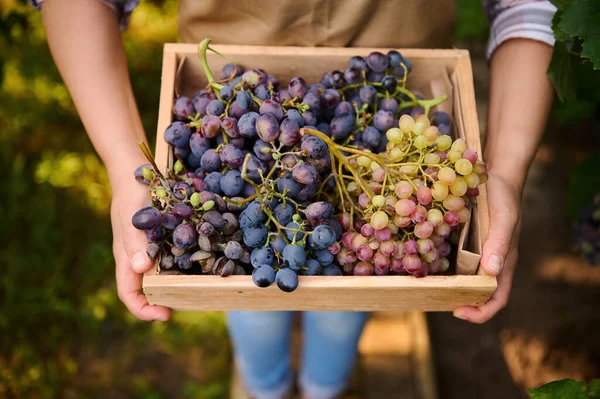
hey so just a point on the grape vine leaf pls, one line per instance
(566, 388)
(594, 388)
(561, 72)
(559, 34)
(581, 18)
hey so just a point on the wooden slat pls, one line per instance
(434, 293)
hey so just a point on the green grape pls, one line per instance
(395, 135)
(463, 166)
(420, 142)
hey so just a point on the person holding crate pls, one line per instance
(519, 51)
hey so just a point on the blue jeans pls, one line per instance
(261, 342)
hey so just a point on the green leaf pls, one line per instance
(584, 184)
(560, 4)
(563, 389)
(594, 389)
(559, 34)
(581, 18)
(560, 72)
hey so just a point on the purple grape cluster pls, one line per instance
(587, 232)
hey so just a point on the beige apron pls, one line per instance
(356, 23)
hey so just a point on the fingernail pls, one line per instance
(138, 260)
(461, 316)
(495, 263)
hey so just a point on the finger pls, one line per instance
(497, 301)
(497, 245)
(129, 285)
(135, 244)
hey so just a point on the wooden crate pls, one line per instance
(434, 72)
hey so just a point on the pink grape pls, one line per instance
(402, 221)
(390, 200)
(470, 155)
(399, 250)
(411, 247)
(411, 263)
(425, 245)
(443, 155)
(346, 256)
(335, 248)
(422, 271)
(435, 266)
(363, 200)
(451, 218)
(357, 241)
(405, 207)
(358, 224)
(367, 230)
(380, 260)
(418, 183)
(347, 238)
(379, 175)
(480, 168)
(383, 234)
(382, 271)
(374, 244)
(443, 230)
(396, 266)
(424, 195)
(379, 220)
(348, 269)
(444, 249)
(388, 248)
(423, 230)
(473, 192)
(364, 253)
(453, 203)
(363, 269)
(419, 215)
(432, 173)
(437, 240)
(403, 189)
(431, 256)
(344, 219)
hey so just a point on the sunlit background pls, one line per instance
(65, 334)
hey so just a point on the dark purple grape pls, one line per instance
(307, 192)
(210, 161)
(213, 182)
(314, 146)
(232, 183)
(262, 92)
(247, 124)
(182, 107)
(267, 127)
(323, 164)
(368, 95)
(243, 99)
(271, 107)
(255, 168)
(231, 223)
(192, 160)
(342, 125)
(284, 213)
(318, 212)
(338, 79)
(201, 99)
(286, 279)
(178, 134)
(293, 114)
(309, 118)
(327, 80)
(384, 120)
(138, 173)
(282, 96)
(331, 270)
(416, 112)
(344, 106)
(359, 63)
(305, 173)
(263, 276)
(440, 118)
(330, 98)
(262, 256)
(234, 250)
(259, 145)
(182, 152)
(184, 236)
(353, 76)
(289, 132)
(248, 191)
(255, 236)
(297, 88)
(205, 229)
(231, 70)
(293, 256)
(373, 76)
(155, 235)
(211, 126)
(214, 218)
(253, 78)
(198, 184)
(316, 88)
(170, 221)
(444, 129)
(389, 104)
(324, 128)
(377, 61)
(182, 211)
(371, 137)
(183, 261)
(313, 100)
(215, 107)
(278, 244)
(287, 184)
(235, 111)
(166, 262)
(229, 126)
(389, 84)
(289, 160)
(322, 237)
(231, 156)
(182, 190)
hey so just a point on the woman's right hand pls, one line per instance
(129, 249)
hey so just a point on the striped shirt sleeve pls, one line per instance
(509, 19)
(122, 9)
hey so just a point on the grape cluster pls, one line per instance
(587, 232)
(344, 176)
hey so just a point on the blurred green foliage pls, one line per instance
(64, 332)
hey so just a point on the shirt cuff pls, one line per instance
(122, 8)
(528, 21)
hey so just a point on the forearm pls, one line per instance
(520, 99)
(85, 41)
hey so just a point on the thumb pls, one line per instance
(499, 241)
(135, 244)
